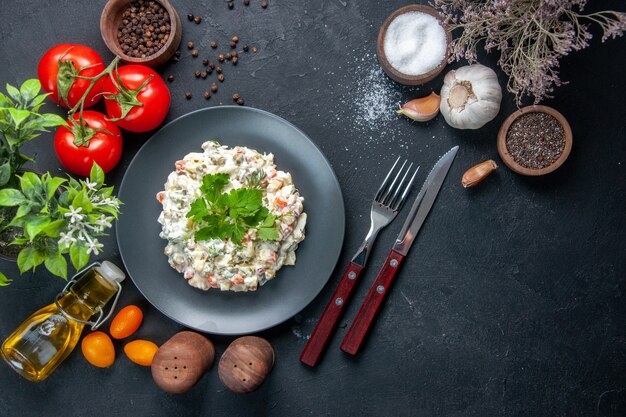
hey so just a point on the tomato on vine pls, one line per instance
(89, 138)
(136, 98)
(64, 71)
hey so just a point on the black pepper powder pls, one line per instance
(535, 140)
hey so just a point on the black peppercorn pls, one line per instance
(197, 20)
(233, 44)
(211, 65)
(188, 95)
(264, 4)
(234, 54)
(231, 5)
(190, 17)
(203, 74)
(207, 95)
(189, 45)
(246, 2)
(197, 74)
(214, 87)
(177, 53)
(195, 53)
(241, 102)
(236, 96)
(228, 56)
(246, 48)
(221, 77)
(234, 60)
(213, 44)
(205, 62)
(170, 78)
(220, 57)
(218, 70)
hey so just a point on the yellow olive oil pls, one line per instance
(48, 336)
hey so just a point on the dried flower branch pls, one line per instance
(531, 36)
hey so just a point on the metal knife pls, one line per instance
(420, 209)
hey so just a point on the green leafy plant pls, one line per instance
(21, 122)
(229, 215)
(58, 217)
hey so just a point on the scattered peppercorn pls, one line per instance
(218, 70)
(144, 29)
(207, 95)
(228, 56)
(220, 57)
(176, 59)
(254, 49)
(235, 39)
(246, 48)
(187, 95)
(214, 87)
(221, 77)
(213, 44)
(209, 70)
(211, 65)
(203, 74)
(205, 62)
(264, 4)
(189, 45)
(231, 5)
(170, 78)
(236, 96)
(233, 44)
(234, 54)
(246, 2)
(241, 102)
(197, 74)
(197, 20)
(195, 53)
(190, 17)
(177, 53)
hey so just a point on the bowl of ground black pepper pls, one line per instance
(535, 140)
(146, 32)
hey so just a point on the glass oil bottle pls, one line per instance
(47, 337)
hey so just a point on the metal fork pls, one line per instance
(385, 206)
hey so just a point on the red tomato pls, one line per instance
(152, 100)
(104, 147)
(73, 57)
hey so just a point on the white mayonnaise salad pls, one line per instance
(217, 263)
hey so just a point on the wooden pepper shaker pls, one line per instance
(245, 364)
(182, 361)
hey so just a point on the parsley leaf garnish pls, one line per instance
(229, 215)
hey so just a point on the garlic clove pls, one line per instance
(422, 109)
(478, 172)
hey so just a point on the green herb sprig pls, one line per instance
(229, 215)
(59, 217)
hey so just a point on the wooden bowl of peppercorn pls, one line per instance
(146, 32)
(535, 140)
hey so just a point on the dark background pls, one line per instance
(511, 302)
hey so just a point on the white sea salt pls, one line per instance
(415, 43)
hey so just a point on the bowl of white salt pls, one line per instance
(413, 44)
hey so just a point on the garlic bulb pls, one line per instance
(470, 96)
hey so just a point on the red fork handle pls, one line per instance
(370, 307)
(328, 322)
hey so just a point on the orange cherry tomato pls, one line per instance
(141, 351)
(98, 349)
(126, 322)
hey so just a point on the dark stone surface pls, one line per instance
(512, 300)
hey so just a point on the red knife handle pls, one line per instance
(328, 322)
(370, 307)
